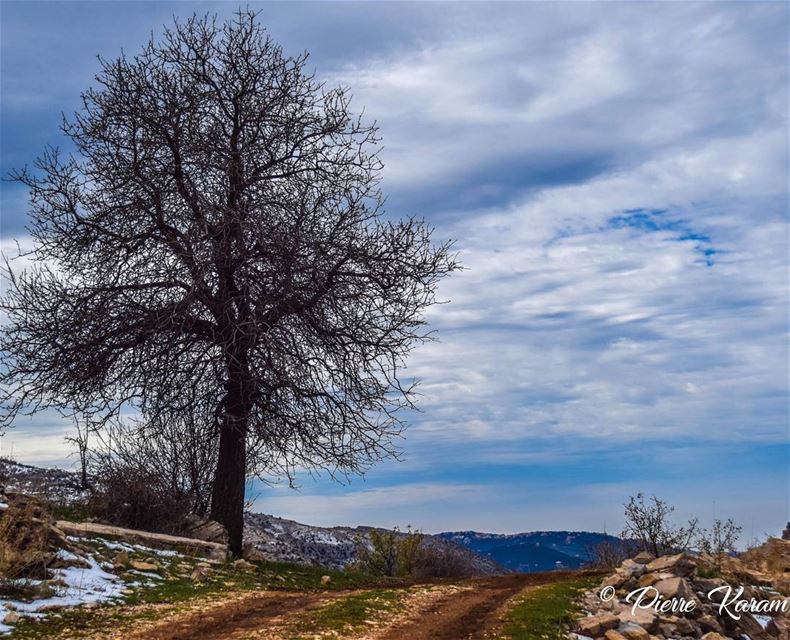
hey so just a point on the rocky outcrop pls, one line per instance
(30, 543)
(668, 598)
(772, 560)
(204, 529)
(193, 546)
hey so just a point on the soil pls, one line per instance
(231, 619)
(468, 614)
(469, 610)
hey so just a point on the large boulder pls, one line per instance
(644, 557)
(779, 627)
(749, 625)
(680, 565)
(597, 626)
(213, 550)
(204, 529)
(645, 618)
(634, 632)
(772, 560)
(674, 588)
(632, 567)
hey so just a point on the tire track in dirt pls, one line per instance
(472, 613)
(470, 610)
(225, 620)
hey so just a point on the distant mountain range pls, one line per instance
(533, 551)
(286, 540)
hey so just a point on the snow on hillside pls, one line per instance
(276, 538)
(57, 485)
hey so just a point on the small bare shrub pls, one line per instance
(648, 523)
(443, 561)
(608, 554)
(137, 498)
(390, 553)
(397, 554)
(721, 537)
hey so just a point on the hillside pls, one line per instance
(282, 540)
(532, 551)
(278, 539)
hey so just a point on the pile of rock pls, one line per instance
(30, 542)
(665, 598)
(771, 559)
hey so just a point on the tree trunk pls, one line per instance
(227, 498)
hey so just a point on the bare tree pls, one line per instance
(721, 538)
(180, 455)
(81, 439)
(220, 229)
(649, 524)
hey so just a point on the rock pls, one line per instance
(91, 605)
(612, 634)
(252, 553)
(642, 617)
(679, 565)
(325, 580)
(243, 565)
(779, 628)
(634, 632)
(686, 627)
(121, 558)
(200, 574)
(629, 585)
(63, 563)
(648, 580)
(749, 625)
(143, 566)
(712, 635)
(212, 550)
(51, 608)
(207, 530)
(644, 557)
(706, 585)
(673, 588)
(616, 580)
(12, 617)
(632, 567)
(708, 623)
(596, 626)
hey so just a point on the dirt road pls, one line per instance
(468, 614)
(466, 610)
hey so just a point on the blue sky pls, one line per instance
(615, 175)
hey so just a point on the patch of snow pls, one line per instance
(763, 620)
(113, 546)
(131, 548)
(164, 553)
(64, 554)
(83, 585)
(145, 574)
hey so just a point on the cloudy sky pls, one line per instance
(616, 178)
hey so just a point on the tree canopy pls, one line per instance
(216, 247)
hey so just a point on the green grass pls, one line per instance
(546, 612)
(174, 589)
(708, 571)
(74, 511)
(350, 613)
